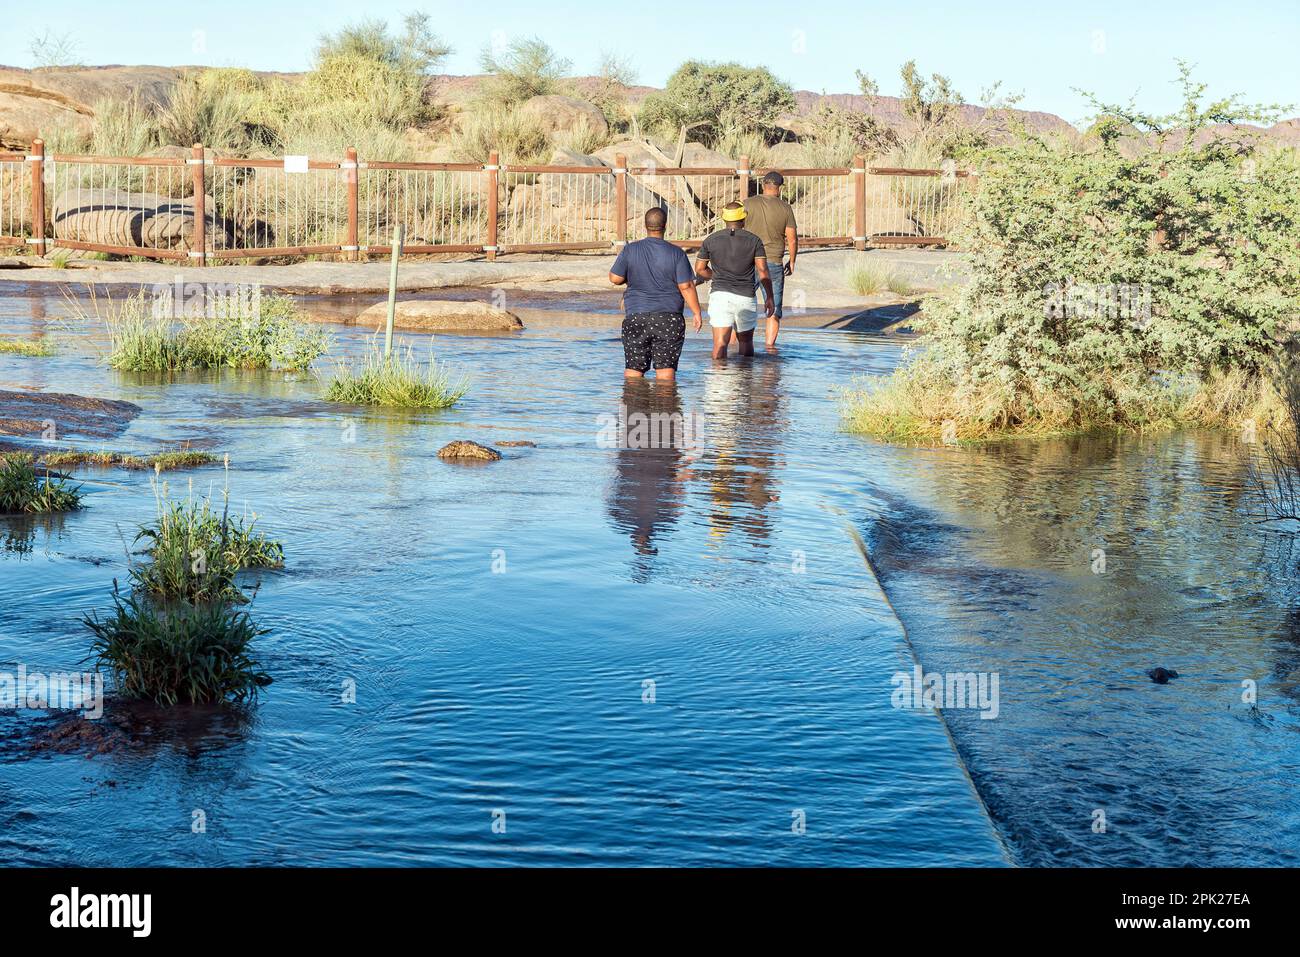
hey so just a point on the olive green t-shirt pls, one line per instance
(769, 217)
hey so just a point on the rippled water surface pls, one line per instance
(501, 623)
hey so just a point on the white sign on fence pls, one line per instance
(296, 164)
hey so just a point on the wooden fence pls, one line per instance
(201, 207)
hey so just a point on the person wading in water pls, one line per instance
(771, 219)
(659, 283)
(736, 262)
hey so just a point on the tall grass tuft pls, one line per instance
(23, 490)
(867, 278)
(518, 136)
(195, 551)
(397, 381)
(177, 653)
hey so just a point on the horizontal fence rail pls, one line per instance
(195, 206)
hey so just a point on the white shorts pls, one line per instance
(728, 310)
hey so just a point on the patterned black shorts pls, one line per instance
(653, 337)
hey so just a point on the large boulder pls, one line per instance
(437, 315)
(562, 115)
(113, 217)
(34, 102)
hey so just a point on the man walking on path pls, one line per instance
(734, 259)
(659, 283)
(771, 219)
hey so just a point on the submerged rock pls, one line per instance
(435, 315)
(462, 449)
(1162, 676)
(73, 416)
(517, 444)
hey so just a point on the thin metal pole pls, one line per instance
(399, 236)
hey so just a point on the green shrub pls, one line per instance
(141, 339)
(177, 653)
(1109, 291)
(23, 489)
(400, 381)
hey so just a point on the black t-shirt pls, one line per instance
(732, 257)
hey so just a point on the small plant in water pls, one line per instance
(35, 348)
(195, 552)
(23, 489)
(400, 381)
(177, 652)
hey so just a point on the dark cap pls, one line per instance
(773, 177)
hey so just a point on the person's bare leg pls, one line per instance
(745, 342)
(633, 374)
(721, 339)
(773, 330)
(665, 375)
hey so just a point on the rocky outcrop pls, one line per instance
(34, 102)
(465, 451)
(563, 115)
(437, 315)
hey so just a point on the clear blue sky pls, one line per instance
(1040, 49)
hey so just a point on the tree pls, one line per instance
(724, 99)
(524, 69)
(50, 50)
(416, 50)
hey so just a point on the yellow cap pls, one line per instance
(733, 215)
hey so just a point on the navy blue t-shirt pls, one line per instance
(653, 267)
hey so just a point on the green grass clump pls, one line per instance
(25, 347)
(398, 381)
(195, 551)
(23, 490)
(268, 337)
(178, 653)
(867, 278)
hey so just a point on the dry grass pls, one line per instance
(25, 347)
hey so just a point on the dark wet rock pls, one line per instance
(1162, 676)
(83, 736)
(465, 450)
(72, 416)
(517, 444)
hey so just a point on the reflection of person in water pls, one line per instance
(744, 409)
(646, 497)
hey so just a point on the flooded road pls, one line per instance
(668, 656)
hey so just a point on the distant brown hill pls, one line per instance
(34, 100)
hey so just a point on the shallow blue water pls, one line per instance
(501, 624)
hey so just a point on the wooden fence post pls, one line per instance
(493, 168)
(200, 212)
(37, 159)
(351, 246)
(743, 173)
(859, 174)
(620, 200)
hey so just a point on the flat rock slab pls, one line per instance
(437, 315)
(71, 416)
